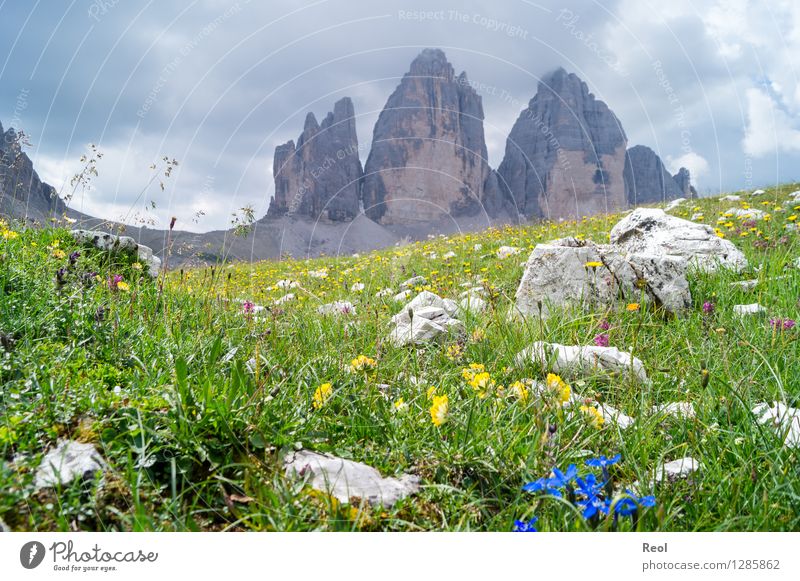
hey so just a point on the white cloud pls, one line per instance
(769, 129)
(694, 162)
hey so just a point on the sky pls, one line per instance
(218, 84)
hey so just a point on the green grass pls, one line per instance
(194, 437)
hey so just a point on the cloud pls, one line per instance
(696, 164)
(769, 128)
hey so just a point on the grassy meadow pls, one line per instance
(193, 394)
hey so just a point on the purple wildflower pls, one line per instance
(248, 307)
(73, 258)
(601, 340)
(114, 281)
(708, 307)
(784, 324)
(604, 325)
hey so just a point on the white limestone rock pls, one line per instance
(678, 409)
(677, 470)
(472, 304)
(731, 198)
(337, 308)
(563, 273)
(412, 282)
(402, 296)
(653, 232)
(426, 318)
(112, 243)
(345, 479)
(289, 297)
(582, 359)
(784, 419)
(758, 193)
(751, 309)
(505, 251)
(674, 204)
(68, 461)
(614, 416)
(744, 214)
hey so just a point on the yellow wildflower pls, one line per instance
(518, 389)
(559, 387)
(362, 363)
(454, 351)
(593, 415)
(593, 264)
(478, 335)
(322, 394)
(439, 410)
(431, 392)
(481, 382)
(123, 286)
(632, 307)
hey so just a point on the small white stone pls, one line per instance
(357, 287)
(473, 305)
(68, 461)
(731, 198)
(285, 299)
(615, 416)
(412, 282)
(785, 420)
(384, 293)
(678, 409)
(345, 479)
(758, 193)
(751, 309)
(677, 469)
(505, 251)
(674, 204)
(402, 296)
(337, 308)
(743, 214)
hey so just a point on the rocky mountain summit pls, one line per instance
(647, 181)
(428, 156)
(319, 177)
(22, 193)
(565, 155)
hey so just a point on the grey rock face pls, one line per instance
(647, 181)
(565, 155)
(319, 177)
(428, 156)
(684, 180)
(345, 479)
(22, 193)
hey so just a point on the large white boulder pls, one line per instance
(345, 479)
(653, 232)
(573, 272)
(582, 359)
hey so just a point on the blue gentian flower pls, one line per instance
(603, 462)
(542, 485)
(521, 526)
(561, 479)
